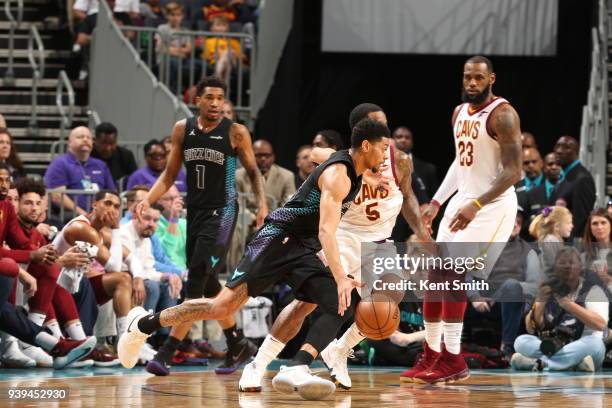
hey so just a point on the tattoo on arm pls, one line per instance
(506, 126)
(410, 205)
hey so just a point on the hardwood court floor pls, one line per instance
(372, 388)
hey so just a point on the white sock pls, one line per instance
(350, 338)
(55, 329)
(452, 337)
(433, 335)
(75, 331)
(269, 349)
(46, 341)
(121, 325)
(37, 318)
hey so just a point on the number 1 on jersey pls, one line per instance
(200, 170)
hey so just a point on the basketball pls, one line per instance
(392, 287)
(377, 316)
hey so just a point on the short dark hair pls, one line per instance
(153, 142)
(333, 138)
(102, 193)
(105, 128)
(362, 111)
(368, 129)
(28, 185)
(212, 82)
(479, 59)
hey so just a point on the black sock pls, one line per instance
(302, 358)
(232, 336)
(149, 324)
(166, 351)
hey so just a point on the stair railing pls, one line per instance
(9, 75)
(38, 72)
(66, 112)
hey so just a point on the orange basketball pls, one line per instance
(377, 316)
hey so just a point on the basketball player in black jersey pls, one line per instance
(209, 145)
(286, 247)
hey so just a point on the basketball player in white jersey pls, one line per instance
(370, 218)
(487, 136)
(116, 286)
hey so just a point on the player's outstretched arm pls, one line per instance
(319, 154)
(241, 141)
(173, 166)
(410, 205)
(505, 123)
(334, 184)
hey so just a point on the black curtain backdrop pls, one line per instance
(315, 90)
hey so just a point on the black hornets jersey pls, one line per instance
(210, 165)
(300, 215)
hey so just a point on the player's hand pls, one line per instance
(177, 207)
(141, 208)
(345, 287)
(73, 258)
(464, 216)
(175, 284)
(262, 213)
(46, 254)
(44, 229)
(28, 282)
(377, 181)
(428, 215)
(138, 291)
(481, 307)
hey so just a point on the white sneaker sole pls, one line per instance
(315, 389)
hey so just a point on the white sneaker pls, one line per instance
(37, 354)
(335, 358)
(520, 362)
(251, 378)
(587, 365)
(13, 357)
(146, 354)
(133, 340)
(81, 364)
(299, 378)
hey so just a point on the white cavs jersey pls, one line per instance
(372, 213)
(478, 153)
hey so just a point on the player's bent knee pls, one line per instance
(300, 309)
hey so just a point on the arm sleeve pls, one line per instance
(116, 252)
(21, 256)
(533, 275)
(448, 186)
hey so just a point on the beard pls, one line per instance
(478, 99)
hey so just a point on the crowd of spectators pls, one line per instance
(541, 288)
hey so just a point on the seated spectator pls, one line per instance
(77, 170)
(119, 160)
(9, 155)
(328, 138)
(172, 228)
(304, 165)
(528, 140)
(513, 284)
(549, 229)
(539, 197)
(597, 235)
(566, 322)
(162, 262)
(172, 46)
(152, 13)
(127, 11)
(426, 171)
(221, 52)
(578, 187)
(162, 287)
(156, 158)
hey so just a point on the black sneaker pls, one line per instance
(236, 356)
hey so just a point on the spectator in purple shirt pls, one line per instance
(76, 170)
(156, 157)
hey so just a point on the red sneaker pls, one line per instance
(425, 361)
(67, 351)
(102, 358)
(448, 368)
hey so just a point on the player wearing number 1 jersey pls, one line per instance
(209, 145)
(487, 135)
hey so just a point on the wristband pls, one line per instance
(477, 203)
(435, 203)
(173, 220)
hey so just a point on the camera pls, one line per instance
(555, 339)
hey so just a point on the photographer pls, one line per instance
(568, 320)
